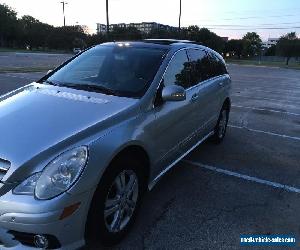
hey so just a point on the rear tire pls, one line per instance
(221, 127)
(115, 203)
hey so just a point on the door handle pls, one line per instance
(194, 97)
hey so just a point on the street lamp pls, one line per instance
(107, 19)
(179, 25)
(63, 4)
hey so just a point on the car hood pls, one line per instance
(38, 117)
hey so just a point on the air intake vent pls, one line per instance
(4, 167)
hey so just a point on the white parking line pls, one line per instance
(20, 75)
(264, 90)
(255, 76)
(266, 132)
(267, 99)
(262, 109)
(245, 177)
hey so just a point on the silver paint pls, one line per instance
(39, 122)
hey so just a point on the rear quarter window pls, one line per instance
(200, 65)
(217, 67)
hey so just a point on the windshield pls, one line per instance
(116, 70)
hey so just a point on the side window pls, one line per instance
(217, 66)
(200, 66)
(223, 67)
(178, 71)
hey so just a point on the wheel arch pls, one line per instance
(227, 103)
(132, 150)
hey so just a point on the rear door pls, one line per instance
(219, 73)
(206, 85)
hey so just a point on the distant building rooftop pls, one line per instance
(270, 42)
(144, 27)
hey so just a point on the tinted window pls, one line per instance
(178, 71)
(217, 66)
(200, 66)
(125, 71)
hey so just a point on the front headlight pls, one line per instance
(27, 187)
(57, 177)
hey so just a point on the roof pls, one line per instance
(168, 41)
(157, 43)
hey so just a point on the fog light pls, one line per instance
(41, 241)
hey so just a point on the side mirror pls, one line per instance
(49, 71)
(173, 93)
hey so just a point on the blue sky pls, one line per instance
(233, 18)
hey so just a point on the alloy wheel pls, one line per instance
(121, 201)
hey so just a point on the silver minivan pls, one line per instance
(79, 147)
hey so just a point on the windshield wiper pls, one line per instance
(91, 87)
(51, 83)
(86, 86)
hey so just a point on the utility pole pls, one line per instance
(63, 4)
(179, 25)
(107, 20)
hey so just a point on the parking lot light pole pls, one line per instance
(179, 24)
(107, 19)
(63, 4)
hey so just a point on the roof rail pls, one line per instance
(168, 41)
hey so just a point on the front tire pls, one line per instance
(221, 127)
(115, 203)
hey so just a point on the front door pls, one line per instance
(173, 124)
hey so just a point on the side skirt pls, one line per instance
(158, 177)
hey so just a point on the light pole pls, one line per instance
(107, 19)
(179, 24)
(63, 4)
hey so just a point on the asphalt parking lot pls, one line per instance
(249, 184)
(40, 60)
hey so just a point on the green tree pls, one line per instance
(95, 39)
(192, 33)
(63, 37)
(8, 26)
(79, 43)
(271, 51)
(251, 44)
(211, 40)
(234, 47)
(128, 33)
(162, 33)
(33, 32)
(289, 46)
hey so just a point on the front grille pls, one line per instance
(4, 167)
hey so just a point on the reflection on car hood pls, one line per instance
(39, 116)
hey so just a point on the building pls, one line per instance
(144, 27)
(101, 28)
(271, 41)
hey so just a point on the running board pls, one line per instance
(157, 178)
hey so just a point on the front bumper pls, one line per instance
(24, 214)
